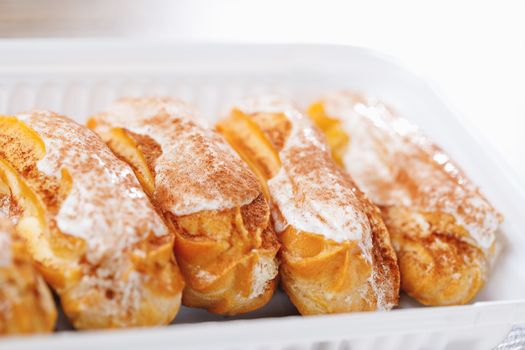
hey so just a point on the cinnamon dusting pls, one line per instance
(311, 194)
(395, 164)
(194, 169)
(96, 217)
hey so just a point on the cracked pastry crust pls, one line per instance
(26, 304)
(91, 230)
(442, 227)
(336, 255)
(225, 244)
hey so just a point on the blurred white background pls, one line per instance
(474, 51)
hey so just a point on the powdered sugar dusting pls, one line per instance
(205, 275)
(106, 205)
(395, 164)
(127, 291)
(311, 194)
(381, 289)
(4, 205)
(5, 242)
(265, 271)
(197, 170)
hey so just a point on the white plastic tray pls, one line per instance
(80, 78)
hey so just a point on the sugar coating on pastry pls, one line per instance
(383, 145)
(9, 208)
(115, 211)
(265, 270)
(5, 260)
(310, 195)
(222, 222)
(5, 242)
(99, 201)
(26, 304)
(185, 185)
(4, 205)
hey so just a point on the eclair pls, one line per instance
(336, 254)
(92, 231)
(442, 228)
(225, 244)
(26, 304)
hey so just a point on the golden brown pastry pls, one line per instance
(90, 228)
(442, 227)
(336, 254)
(225, 244)
(26, 304)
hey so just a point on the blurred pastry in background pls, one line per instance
(442, 227)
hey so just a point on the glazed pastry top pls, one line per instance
(195, 169)
(395, 164)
